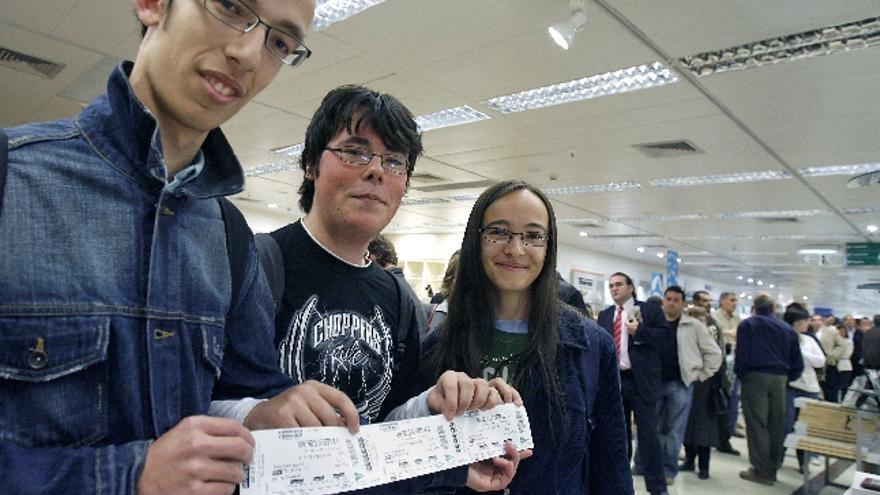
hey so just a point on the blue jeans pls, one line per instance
(733, 412)
(674, 408)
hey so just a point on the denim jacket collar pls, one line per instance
(124, 132)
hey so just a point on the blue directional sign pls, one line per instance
(671, 267)
(657, 286)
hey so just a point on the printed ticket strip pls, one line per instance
(324, 460)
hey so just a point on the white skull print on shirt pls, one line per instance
(343, 349)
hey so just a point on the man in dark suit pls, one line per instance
(636, 338)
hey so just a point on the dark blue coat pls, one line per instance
(642, 347)
(589, 455)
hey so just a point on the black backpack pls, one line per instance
(237, 230)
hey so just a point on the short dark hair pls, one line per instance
(382, 250)
(725, 295)
(697, 293)
(795, 312)
(764, 304)
(877, 321)
(676, 289)
(655, 299)
(350, 108)
(629, 282)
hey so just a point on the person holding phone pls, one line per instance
(638, 329)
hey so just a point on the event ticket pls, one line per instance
(316, 461)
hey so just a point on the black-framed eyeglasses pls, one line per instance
(499, 235)
(283, 45)
(396, 163)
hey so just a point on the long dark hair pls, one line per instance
(466, 333)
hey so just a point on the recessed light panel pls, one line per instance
(609, 83)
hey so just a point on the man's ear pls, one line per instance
(150, 12)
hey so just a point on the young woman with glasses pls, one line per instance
(505, 321)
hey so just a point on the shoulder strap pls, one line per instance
(4, 151)
(237, 233)
(403, 320)
(272, 260)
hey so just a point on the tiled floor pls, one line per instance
(724, 477)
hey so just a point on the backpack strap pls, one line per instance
(237, 234)
(407, 302)
(4, 152)
(272, 260)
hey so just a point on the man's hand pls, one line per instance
(632, 325)
(455, 393)
(200, 455)
(496, 473)
(311, 403)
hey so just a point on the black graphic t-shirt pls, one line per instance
(337, 324)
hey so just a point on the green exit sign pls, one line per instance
(863, 254)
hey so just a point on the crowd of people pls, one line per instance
(144, 333)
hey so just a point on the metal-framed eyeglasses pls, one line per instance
(500, 235)
(395, 163)
(284, 46)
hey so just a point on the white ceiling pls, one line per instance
(439, 54)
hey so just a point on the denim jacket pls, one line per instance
(115, 312)
(582, 449)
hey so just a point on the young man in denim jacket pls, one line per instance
(117, 329)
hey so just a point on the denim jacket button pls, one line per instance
(37, 359)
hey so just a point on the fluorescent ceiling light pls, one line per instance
(823, 41)
(563, 32)
(609, 83)
(450, 117)
(773, 214)
(610, 187)
(272, 205)
(705, 180)
(464, 197)
(421, 201)
(294, 150)
(640, 249)
(329, 12)
(862, 210)
(839, 170)
(871, 228)
(817, 250)
(269, 168)
(660, 218)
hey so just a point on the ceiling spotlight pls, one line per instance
(661, 255)
(640, 249)
(739, 277)
(272, 205)
(772, 286)
(872, 228)
(563, 32)
(805, 298)
(751, 280)
(583, 234)
(760, 282)
(678, 260)
(742, 294)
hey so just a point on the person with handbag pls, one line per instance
(709, 402)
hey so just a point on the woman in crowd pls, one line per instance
(505, 321)
(709, 401)
(807, 385)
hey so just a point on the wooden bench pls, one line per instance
(834, 431)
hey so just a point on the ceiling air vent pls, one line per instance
(29, 64)
(668, 149)
(778, 220)
(424, 179)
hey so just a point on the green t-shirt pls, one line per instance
(509, 340)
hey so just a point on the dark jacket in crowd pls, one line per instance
(768, 345)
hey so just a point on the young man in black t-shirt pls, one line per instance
(337, 320)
